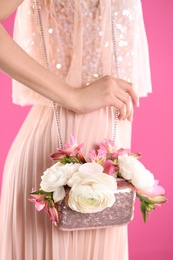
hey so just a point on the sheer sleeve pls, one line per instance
(141, 77)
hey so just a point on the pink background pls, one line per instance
(152, 132)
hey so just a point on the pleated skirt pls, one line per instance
(26, 234)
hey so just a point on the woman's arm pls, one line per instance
(107, 91)
(7, 7)
(16, 63)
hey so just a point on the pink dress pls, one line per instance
(79, 42)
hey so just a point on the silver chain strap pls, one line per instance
(59, 138)
(117, 72)
(48, 68)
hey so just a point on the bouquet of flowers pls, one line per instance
(92, 185)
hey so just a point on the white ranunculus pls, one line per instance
(134, 171)
(59, 194)
(86, 168)
(57, 176)
(92, 190)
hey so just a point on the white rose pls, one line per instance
(134, 171)
(92, 190)
(57, 176)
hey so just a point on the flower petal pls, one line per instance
(90, 168)
(57, 155)
(157, 199)
(39, 205)
(109, 168)
(59, 194)
(156, 191)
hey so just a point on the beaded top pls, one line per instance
(79, 42)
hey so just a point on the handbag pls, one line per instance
(122, 210)
(121, 213)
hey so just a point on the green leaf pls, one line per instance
(143, 198)
(146, 206)
(70, 159)
(40, 192)
(143, 209)
(51, 203)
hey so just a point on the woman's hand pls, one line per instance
(107, 91)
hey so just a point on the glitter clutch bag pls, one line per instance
(121, 213)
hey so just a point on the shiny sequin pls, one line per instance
(50, 30)
(120, 213)
(58, 66)
(69, 43)
(106, 44)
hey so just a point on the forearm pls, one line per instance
(106, 91)
(7, 7)
(16, 63)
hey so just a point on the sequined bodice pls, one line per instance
(78, 37)
(94, 30)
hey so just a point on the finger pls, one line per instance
(129, 106)
(126, 99)
(118, 104)
(130, 117)
(128, 87)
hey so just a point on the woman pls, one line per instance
(83, 82)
